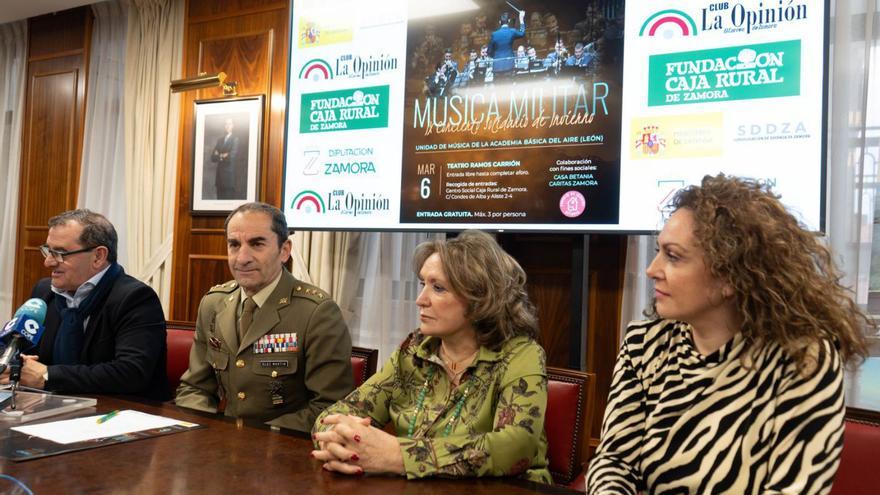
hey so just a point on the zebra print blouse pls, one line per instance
(680, 422)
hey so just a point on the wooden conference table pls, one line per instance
(227, 456)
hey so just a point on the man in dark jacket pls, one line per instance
(104, 330)
(501, 46)
(225, 155)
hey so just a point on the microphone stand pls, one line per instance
(15, 365)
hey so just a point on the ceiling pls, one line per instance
(23, 9)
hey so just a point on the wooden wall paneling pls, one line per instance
(549, 290)
(52, 134)
(203, 270)
(63, 33)
(51, 140)
(248, 40)
(549, 261)
(607, 263)
(207, 10)
(245, 57)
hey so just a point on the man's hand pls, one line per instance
(32, 372)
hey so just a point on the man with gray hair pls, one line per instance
(267, 347)
(104, 330)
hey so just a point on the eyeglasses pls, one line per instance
(59, 255)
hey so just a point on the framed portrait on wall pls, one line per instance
(226, 153)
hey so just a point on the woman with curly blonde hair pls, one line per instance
(466, 392)
(736, 386)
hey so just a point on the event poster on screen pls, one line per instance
(546, 115)
(514, 128)
(734, 87)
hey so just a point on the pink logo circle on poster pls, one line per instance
(572, 204)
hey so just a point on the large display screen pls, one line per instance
(546, 115)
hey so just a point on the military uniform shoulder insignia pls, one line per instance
(310, 292)
(225, 287)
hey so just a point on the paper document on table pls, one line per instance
(88, 428)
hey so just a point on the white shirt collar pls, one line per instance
(82, 291)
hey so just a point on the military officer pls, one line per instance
(267, 346)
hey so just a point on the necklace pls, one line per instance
(456, 414)
(451, 365)
(420, 402)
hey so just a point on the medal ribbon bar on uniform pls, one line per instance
(276, 342)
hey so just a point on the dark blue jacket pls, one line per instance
(124, 347)
(501, 46)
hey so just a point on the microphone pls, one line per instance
(25, 325)
(35, 308)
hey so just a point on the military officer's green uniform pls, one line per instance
(294, 360)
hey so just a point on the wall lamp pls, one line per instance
(205, 80)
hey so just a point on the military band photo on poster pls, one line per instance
(512, 114)
(513, 41)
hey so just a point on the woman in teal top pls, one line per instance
(466, 392)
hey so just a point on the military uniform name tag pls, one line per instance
(274, 364)
(276, 342)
